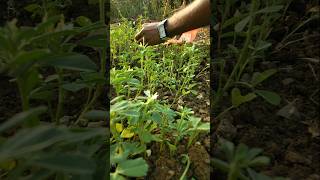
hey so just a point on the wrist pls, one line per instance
(168, 28)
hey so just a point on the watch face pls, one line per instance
(162, 32)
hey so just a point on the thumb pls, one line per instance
(139, 35)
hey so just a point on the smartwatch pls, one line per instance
(162, 29)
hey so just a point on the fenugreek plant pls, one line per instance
(162, 67)
(254, 36)
(47, 151)
(241, 161)
(43, 62)
(139, 118)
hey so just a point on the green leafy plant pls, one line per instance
(46, 151)
(123, 166)
(257, 78)
(46, 66)
(246, 27)
(241, 161)
(47, 8)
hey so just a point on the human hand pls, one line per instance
(149, 34)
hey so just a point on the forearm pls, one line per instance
(196, 15)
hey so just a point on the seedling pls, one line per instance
(239, 159)
(258, 78)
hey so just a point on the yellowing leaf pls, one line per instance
(8, 165)
(119, 127)
(127, 133)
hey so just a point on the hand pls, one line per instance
(149, 34)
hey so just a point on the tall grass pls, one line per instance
(151, 9)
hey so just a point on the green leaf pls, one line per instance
(257, 78)
(115, 176)
(257, 176)
(133, 148)
(116, 156)
(92, 27)
(80, 134)
(261, 45)
(253, 153)
(233, 20)
(242, 24)
(32, 7)
(28, 82)
(133, 168)
(30, 140)
(228, 148)
(238, 99)
(71, 61)
(95, 41)
(270, 9)
(119, 106)
(222, 165)
(96, 115)
(271, 97)
(260, 161)
(74, 87)
(51, 21)
(45, 95)
(204, 127)
(23, 116)
(83, 21)
(40, 175)
(31, 56)
(145, 136)
(241, 152)
(69, 163)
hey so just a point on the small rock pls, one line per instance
(207, 161)
(148, 152)
(226, 129)
(289, 111)
(296, 158)
(202, 111)
(171, 172)
(65, 120)
(206, 143)
(287, 81)
(200, 96)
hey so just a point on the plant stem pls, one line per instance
(183, 176)
(234, 172)
(242, 56)
(61, 96)
(192, 138)
(225, 111)
(103, 63)
(24, 98)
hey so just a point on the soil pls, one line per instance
(289, 133)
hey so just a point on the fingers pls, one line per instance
(139, 35)
(141, 32)
(143, 41)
